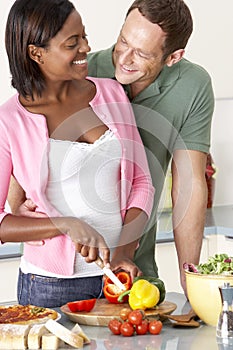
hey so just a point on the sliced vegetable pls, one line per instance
(112, 292)
(143, 295)
(37, 309)
(81, 305)
(123, 276)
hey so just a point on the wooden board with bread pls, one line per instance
(49, 336)
(32, 327)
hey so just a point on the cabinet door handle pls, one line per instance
(229, 237)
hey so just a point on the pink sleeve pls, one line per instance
(6, 170)
(142, 190)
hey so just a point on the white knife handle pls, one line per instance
(99, 262)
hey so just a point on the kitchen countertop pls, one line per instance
(170, 338)
(219, 220)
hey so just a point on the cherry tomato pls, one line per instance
(127, 329)
(142, 328)
(135, 317)
(124, 313)
(155, 327)
(115, 326)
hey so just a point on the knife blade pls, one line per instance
(108, 272)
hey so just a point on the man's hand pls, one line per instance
(126, 264)
(122, 259)
(28, 208)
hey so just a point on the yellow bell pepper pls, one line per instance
(143, 295)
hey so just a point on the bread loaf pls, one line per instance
(51, 342)
(64, 334)
(14, 337)
(78, 330)
(35, 336)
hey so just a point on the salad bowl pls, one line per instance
(203, 282)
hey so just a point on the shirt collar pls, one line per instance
(167, 77)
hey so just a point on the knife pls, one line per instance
(108, 272)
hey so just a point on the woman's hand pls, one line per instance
(88, 242)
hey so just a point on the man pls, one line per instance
(173, 103)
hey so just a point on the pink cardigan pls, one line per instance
(23, 153)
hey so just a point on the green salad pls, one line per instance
(217, 264)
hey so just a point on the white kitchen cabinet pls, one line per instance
(8, 277)
(220, 243)
(166, 259)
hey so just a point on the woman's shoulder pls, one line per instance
(106, 82)
(108, 89)
(7, 110)
(9, 105)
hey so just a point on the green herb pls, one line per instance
(36, 310)
(217, 264)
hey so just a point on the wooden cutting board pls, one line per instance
(104, 311)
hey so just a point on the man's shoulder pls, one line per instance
(191, 69)
(100, 53)
(184, 74)
(100, 63)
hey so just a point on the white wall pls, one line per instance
(211, 42)
(210, 45)
(222, 151)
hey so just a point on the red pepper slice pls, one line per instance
(81, 305)
(112, 292)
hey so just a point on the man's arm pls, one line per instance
(189, 201)
(132, 230)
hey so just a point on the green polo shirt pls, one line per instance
(174, 112)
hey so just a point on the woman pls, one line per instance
(72, 144)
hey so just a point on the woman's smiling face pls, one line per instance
(65, 58)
